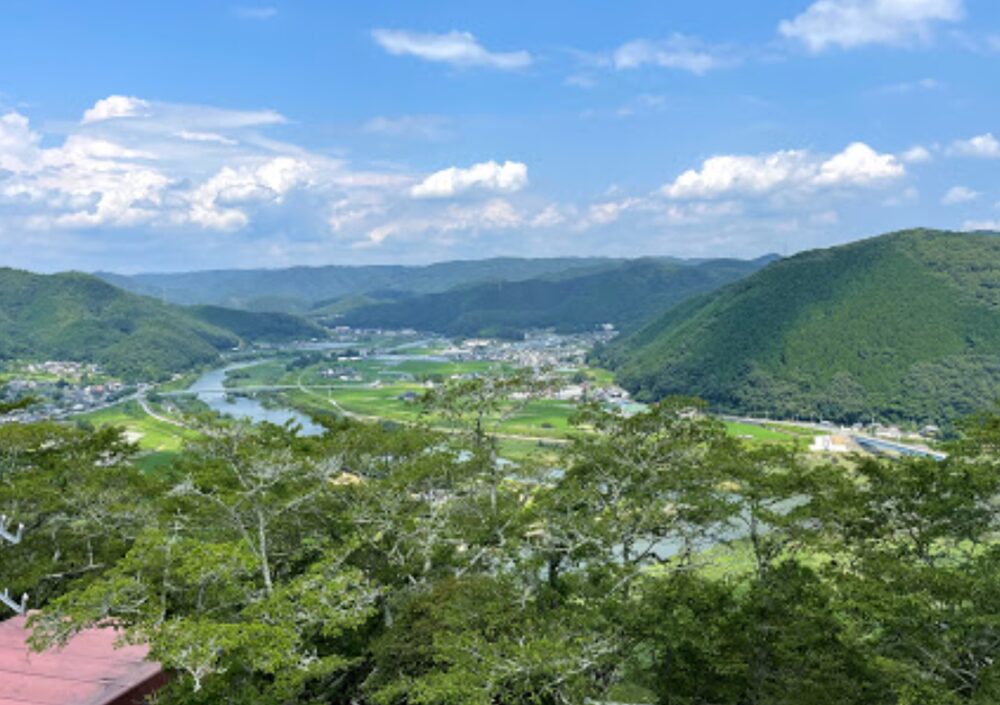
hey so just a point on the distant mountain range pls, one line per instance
(75, 316)
(300, 289)
(623, 294)
(906, 325)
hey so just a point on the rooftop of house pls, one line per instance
(89, 670)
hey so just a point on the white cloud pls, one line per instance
(195, 136)
(213, 202)
(853, 23)
(608, 212)
(456, 48)
(489, 176)
(85, 182)
(857, 165)
(115, 106)
(122, 205)
(548, 217)
(245, 12)
(18, 143)
(959, 194)
(741, 174)
(495, 214)
(492, 215)
(972, 225)
(352, 212)
(915, 155)
(985, 146)
(675, 52)
(694, 212)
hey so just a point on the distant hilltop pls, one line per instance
(905, 325)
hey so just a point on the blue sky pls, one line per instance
(192, 135)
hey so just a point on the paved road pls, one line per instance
(144, 403)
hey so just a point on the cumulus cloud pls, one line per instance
(489, 176)
(213, 203)
(853, 23)
(857, 165)
(959, 194)
(18, 143)
(455, 48)
(115, 106)
(675, 52)
(85, 182)
(608, 212)
(985, 146)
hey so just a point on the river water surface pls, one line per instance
(207, 389)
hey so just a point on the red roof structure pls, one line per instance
(88, 671)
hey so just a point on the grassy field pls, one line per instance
(760, 435)
(382, 385)
(152, 434)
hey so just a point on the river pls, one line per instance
(206, 387)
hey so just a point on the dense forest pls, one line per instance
(902, 326)
(253, 326)
(623, 295)
(79, 317)
(664, 562)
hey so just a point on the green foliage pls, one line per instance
(378, 566)
(79, 317)
(624, 295)
(259, 327)
(903, 326)
(80, 499)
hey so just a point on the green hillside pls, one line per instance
(253, 327)
(299, 289)
(624, 295)
(76, 316)
(902, 326)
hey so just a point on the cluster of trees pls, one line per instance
(254, 326)
(902, 326)
(659, 560)
(79, 317)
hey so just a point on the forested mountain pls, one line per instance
(624, 295)
(75, 316)
(902, 326)
(253, 326)
(298, 289)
